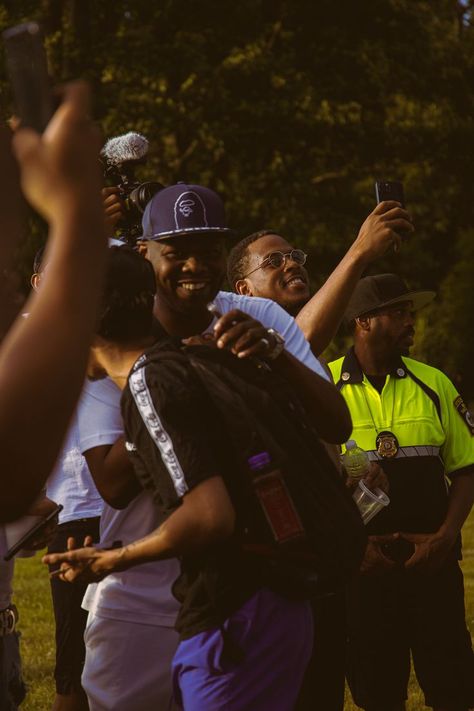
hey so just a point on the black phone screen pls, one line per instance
(28, 71)
(389, 190)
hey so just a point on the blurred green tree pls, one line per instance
(291, 109)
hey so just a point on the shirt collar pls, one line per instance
(352, 373)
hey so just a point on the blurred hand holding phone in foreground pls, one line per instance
(61, 177)
(28, 70)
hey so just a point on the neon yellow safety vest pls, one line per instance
(434, 432)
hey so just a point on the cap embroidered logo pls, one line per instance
(187, 204)
(186, 207)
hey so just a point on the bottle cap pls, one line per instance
(259, 461)
(351, 444)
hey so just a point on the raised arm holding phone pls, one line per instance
(320, 317)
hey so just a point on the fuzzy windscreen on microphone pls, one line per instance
(131, 146)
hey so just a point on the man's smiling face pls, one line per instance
(189, 270)
(287, 284)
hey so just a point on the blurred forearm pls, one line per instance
(43, 358)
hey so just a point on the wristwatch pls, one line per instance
(279, 344)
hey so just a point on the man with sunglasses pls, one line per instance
(410, 419)
(267, 265)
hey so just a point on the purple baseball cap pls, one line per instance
(183, 209)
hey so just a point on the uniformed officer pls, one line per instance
(410, 418)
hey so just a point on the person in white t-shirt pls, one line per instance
(130, 637)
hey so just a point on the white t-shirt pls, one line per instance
(143, 593)
(71, 483)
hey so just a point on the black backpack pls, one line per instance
(259, 412)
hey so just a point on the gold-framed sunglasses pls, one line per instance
(277, 259)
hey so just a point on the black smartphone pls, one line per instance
(28, 70)
(389, 190)
(30, 535)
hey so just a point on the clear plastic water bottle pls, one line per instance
(355, 460)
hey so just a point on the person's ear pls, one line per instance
(142, 248)
(35, 281)
(243, 287)
(363, 322)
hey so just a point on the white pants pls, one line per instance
(128, 665)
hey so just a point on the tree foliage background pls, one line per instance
(291, 109)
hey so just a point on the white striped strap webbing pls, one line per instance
(146, 408)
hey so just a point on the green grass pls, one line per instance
(36, 623)
(33, 598)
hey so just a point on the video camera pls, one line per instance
(121, 156)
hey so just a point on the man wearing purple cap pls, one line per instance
(409, 417)
(184, 234)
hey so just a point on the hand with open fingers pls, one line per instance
(60, 168)
(88, 564)
(374, 561)
(431, 550)
(243, 335)
(113, 207)
(385, 227)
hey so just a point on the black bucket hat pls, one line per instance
(375, 292)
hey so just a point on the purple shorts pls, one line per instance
(256, 660)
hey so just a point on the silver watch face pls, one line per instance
(279, 343)
(277, 336)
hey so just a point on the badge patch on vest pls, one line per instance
(387, 445)
(464, 413)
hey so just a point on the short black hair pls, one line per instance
(126, 313)
(38, 260)
(238, 259)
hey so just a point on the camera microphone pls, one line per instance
(121, 156)
(130, 147)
